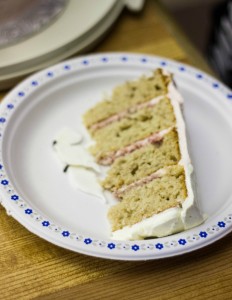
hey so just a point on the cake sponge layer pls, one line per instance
(143, 162)
(132, 128)
(152, 198)
(127, 95)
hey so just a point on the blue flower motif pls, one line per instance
(111, 246)
(87, 241)
(182, 241)
(1, 166)
(182, 69)
(50, 74)
(124, 58)
(85, 62)
(104, 59)
(199, 76)
(4, 182)
(34, 83)
(221, 224)
(45, 223)
(28, 211)
(203, 234)
(14, 197)
(2, 120)
(229, 96)
(135, 247)
(163, 63)
(10, 106)
(67, 67)
(159, 246)
(65, 233)
(21, 94)
(144, 60)
(215, 85)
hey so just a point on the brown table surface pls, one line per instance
(32, 268)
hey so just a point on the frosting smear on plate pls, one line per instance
(80, 166)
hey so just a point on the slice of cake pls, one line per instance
(143, 161)
(139, 134)
(133, 127)
(150, 195)
(128, 95)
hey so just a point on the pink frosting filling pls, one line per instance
(123, 114)
(140, 182)
(154, 138)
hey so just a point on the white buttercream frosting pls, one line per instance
(68, 136)
(81, 167)
(162, 224)
(190, 213)
(85, 180)
(175, 219)
(70, 152)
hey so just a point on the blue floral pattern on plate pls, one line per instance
(47, 225)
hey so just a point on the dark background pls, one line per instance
(208, 24)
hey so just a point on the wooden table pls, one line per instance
(32, 268)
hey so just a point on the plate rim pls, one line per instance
(119, 250)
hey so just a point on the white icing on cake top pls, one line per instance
(190, 213)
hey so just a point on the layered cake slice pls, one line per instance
(127, 95)
(139, 134)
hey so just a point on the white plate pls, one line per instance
(37, 193)
(77, 29)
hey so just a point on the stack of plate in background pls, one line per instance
(74, 26)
